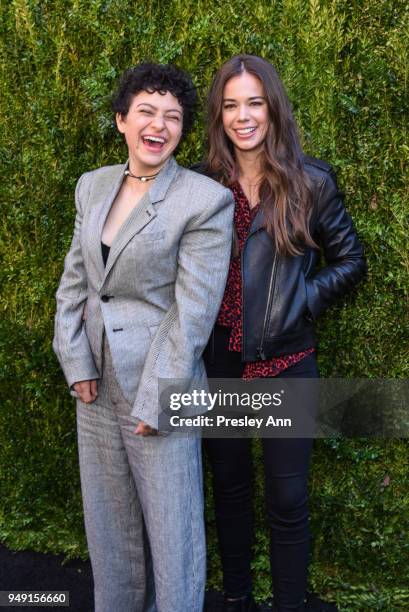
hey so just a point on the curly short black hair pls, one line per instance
(152, 77)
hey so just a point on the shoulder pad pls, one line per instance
(318, 163)
(198, 167)
(201, 168)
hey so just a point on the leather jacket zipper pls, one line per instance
(243, 335)
(260, 349)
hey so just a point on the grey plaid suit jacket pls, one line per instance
(159, 294)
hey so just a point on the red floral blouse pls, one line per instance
(230, 310)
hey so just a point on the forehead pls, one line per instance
(244, 85)
(163, 101)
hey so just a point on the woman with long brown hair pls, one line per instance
(288, 211)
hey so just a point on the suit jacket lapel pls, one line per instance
(142, 214)
(104, 191)
(163, 181)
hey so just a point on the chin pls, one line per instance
(251, 146)
(154, 162)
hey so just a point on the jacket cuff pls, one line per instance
(76, 372)
(145, 414)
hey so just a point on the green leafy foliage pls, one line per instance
(345, 66)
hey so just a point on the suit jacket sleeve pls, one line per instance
(343, 253)
(203, 263)
(70, 341)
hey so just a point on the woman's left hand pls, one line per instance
(144, 429)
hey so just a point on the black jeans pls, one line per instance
(286, 463)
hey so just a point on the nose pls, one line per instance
(243, 112)
(158, 122)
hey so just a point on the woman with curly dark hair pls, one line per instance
(288, 211)
(142, 284)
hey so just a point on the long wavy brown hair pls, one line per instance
(285, 191)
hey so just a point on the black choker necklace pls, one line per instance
(148, 177)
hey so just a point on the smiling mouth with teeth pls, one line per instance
(247, 130)
(154, 142)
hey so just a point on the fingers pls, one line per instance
(93, 388)
(143, 429)
(87, 390)
(86, 396)
(139, 428)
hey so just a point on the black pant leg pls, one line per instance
(286, 464)
(231, 464)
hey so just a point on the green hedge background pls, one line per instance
(345, 65)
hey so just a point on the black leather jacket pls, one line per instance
(283, 295)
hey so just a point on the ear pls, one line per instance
(120, 122)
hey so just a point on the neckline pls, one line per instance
(240, 189)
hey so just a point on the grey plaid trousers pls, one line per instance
(143, 508)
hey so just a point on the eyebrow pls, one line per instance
(252, 98)
(168, 110)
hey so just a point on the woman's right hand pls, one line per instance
(86, 390)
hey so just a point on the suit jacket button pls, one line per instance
(106, 298)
